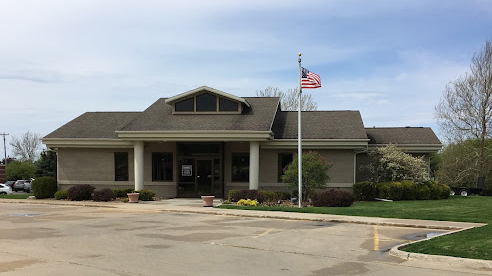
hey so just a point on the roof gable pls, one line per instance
(160, 117)
(203, 89)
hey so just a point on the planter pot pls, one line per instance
(208, 201)
(133, 197)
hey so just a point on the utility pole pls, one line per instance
(4, 147)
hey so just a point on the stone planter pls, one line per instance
(208, 201)
(133, 197)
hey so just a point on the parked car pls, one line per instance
(5, 190)
(18, 185)
(27, 186)
(10, 183)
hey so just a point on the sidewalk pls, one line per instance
(185, 205)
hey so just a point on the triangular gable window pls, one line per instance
(207, 103)
(206, 100)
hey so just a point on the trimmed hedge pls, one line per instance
(122, 192)
(105, 194)
(61, 195)
(44, 187)
(409, 190)
(236, 195)
(80, 192)
(365, 191)
(390, 190)
(332, 198)
(405, 190)
(145, 195)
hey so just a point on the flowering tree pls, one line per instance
(391, 164)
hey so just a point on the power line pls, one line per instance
(4, 147)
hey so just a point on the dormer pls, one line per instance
(206, 100)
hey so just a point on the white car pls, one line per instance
(5, 190)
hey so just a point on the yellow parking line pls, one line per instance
(264, 233)
(376, 238)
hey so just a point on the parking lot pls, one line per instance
(70, 240)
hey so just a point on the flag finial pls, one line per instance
(299, 54)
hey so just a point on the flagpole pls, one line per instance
(299, 148)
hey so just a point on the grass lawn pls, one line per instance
(475, 243)
(17, 196)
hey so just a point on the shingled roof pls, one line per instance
(159, 117)
(94, 125)
(402, 135)
(345, 124)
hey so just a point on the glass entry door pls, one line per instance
(204, 178)
(200, 169)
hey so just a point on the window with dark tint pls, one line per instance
(206, 102)
(284, 159)
(121, 166)
(186, 105)
(226, 105)
(240, 167)
(162, 166)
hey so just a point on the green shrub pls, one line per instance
(80, 192)
(314, 174)
(365, 191)
(44, 187)
(246, 194)
(61, 195)
(269, 196)
(282, 195)
(103, 195)
(409, 190)
(434, 189)
(390, 190)
(423, 192)
(122, 192)
(445, 191)
(146, 195)
(332, 198)
(231, 194)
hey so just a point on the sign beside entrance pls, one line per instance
(186, 170)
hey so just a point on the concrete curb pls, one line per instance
(75, 203)
(285, 215)
(455, 262)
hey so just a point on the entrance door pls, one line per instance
(204, 177)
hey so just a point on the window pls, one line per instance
(162, 166)
(284, 159)
(121, 166)
(206, 102)
(227, 105)
(240, 167)
(186, 105)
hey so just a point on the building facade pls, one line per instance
(206, 141)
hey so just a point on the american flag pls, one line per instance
(309, 79)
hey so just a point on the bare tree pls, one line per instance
(26, 146)
(289, 100)
(465, 110)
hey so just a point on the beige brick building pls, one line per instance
(206, 141)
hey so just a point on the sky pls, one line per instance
(391, 60)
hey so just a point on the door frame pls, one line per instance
(211, 159)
